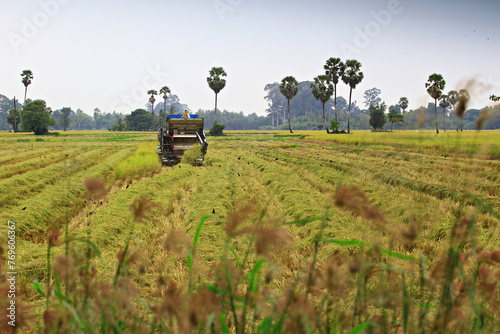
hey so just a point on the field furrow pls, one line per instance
(15, 154)
(61, 200)
(30, 183)
(42, 161)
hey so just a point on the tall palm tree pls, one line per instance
(152, 101)
(334, 68)
(453, 99)
(435, 85)
(26, 80)
(444, 103)
(165, 90)
(322, 90)
(494, 98)
(403, 104)
(352, 76)
(216, 83)
(463, 99)
(289, 88)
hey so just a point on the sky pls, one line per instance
(109, 53)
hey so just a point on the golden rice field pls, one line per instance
(276, 233)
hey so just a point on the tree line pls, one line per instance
(291, 104)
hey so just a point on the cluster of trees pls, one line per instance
(63, 119)
(67, 119)
(33, 116)
(142, 120)
(435, 85)
(305, 110)
(324, 86)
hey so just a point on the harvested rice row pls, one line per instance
(11, 155)
(22, 186)
(57, 202)
(54, 156)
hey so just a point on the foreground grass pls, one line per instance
(275, 234)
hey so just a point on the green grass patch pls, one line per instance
(123, 137)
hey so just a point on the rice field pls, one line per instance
(276, 232)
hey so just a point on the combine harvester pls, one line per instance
(182, 133)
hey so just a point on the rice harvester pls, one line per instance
(180, 135)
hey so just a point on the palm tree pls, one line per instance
(463, 99)
(289, 88)
(435, 85)
(494, 98)
(322, 90)
(453, 99)
(27, 77)
(216, 83)
(352, 76)
(165, 90)
(444, 103)
(334, 68)
(403, 104)
(152, 101)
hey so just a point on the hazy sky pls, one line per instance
(108, 53)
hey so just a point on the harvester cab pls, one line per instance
(182, 134)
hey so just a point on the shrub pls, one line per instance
(334, 126)
(217, 129)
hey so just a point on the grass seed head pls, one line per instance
(271, 238)
(269, 276)
(237, 217)
(495, 256)
(177, 242)
(131, 256)
(201, 305)
(96, 188)
(461, 228)
(353, 199)
(301, 311)
(141, 206)
(125, 289)
(53, 238)
(64, 266)
(355, 265)
(411, 233)
(50, 320)
(485, 256)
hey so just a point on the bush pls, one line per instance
(377, 115)
(217, 129)
(334, 126)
